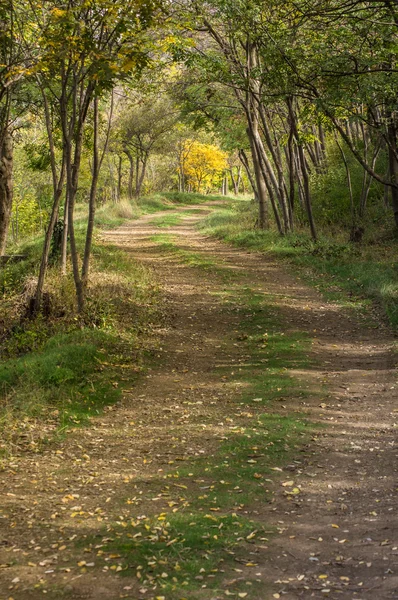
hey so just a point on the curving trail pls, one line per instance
(337, 538)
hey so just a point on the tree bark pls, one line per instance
(348, 174)
(131, 173)
(119, 178)
(278, 183)
(234, 181)
(393, 166)
(260, 183)
(6, 186)
(304, 172)
(58, 185)
(65, 233)
(92, 200)
(244, 160)
(140, 176)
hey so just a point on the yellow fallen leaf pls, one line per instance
(335, 526)
(287, 483)
(242, 594)
(322, 576)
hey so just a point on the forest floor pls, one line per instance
(256, 458)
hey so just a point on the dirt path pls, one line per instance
(336, 534)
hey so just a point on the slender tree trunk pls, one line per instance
(270, 188)
(322, 144)
(244, 160)
(71, 193)
(304, 172)
(131, 174)
(279, 182)
(234, 181)
(92, 200)
(65, 233)
(141, 176)
(349, 184)
(73, 122)
(291, 169)
(119, 177)
(48, 237)
(58, 186)
(367, 182)
(6, 186)
(239, 178)
(393, 166)
(260, 184)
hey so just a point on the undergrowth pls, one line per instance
(58, 369)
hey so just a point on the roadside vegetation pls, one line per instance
(366, 273)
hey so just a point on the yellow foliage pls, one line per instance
(203, 164)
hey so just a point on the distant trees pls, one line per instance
(143, 127)
(203, 165)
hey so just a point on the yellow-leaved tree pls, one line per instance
(204, 165)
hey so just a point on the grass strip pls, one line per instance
(368, 272)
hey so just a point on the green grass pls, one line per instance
(194, 259)
(178, 552)
(63, 378)
(166, 221)
(369, 272)
(59, 370)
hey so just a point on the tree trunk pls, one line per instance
(119, 178)
(278, 183)
(6, 187)
(244, 160)
(71, 193)
(47, 240)
(64, 242)
(235, 182)
(92, 200)
(131, 174)
(291, 168)
(239, 178)
(367, 182)
(304, 172)
(348, 174)
(393, 167)
(260, 183)
(140, 176)
(58, 186)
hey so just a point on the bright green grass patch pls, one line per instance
(235, 475)
(239, 474)
(368, 271)
(166, 221)
(193, 259)
(64, 377)
(55, 380)
(171, 551)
